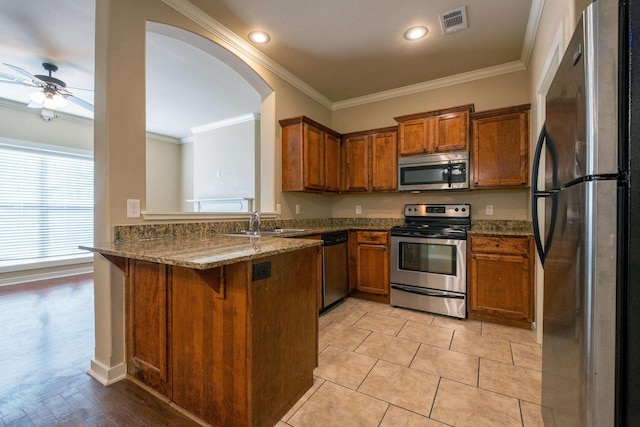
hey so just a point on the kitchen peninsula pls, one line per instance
(223, 326)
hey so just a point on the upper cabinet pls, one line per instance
(500, 154)
(434, 131)
(310, 156)
(370, 161)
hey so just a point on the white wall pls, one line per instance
(224, 161)
(164, 174)
(26, 124)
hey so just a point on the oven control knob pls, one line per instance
(456, 209)
(464, 209)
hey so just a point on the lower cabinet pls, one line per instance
(369, 263)
(148, 296)
(224, 344)
(500, 278)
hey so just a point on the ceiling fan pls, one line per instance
(53, 94)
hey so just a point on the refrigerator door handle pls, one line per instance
(537, 194)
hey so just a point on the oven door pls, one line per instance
(429, 263)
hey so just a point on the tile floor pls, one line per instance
(385, 366)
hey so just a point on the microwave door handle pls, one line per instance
(450, 172)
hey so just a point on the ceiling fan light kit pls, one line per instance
(52, 93)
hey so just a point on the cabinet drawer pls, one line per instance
(511, 245)
(372, 237)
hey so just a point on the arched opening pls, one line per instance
(210, 139)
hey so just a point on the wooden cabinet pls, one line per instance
(331, 162)
(500, 279)
(434, 131)
(355, 163)
(147, 311)
(370, 161)
(500, 154)
(228, 346)
(310, 156)
(369, 262)
(384, 160)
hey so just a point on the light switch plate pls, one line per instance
(297, 209)
(133, 208)
(488, 210)
(358, 209)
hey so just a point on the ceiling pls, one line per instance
(341, 49)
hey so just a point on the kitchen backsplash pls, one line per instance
(163, 231)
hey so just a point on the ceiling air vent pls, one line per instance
(454, 20)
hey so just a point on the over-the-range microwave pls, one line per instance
(446, 171)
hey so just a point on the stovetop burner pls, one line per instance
(436, 221)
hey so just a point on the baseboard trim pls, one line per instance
(105, 375)
(45, 276)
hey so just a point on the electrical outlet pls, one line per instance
(133, 208)
(278, 208)
(261, 271)
(488, 210)
(297, 209)
(358, 209)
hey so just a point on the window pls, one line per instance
(46, 205)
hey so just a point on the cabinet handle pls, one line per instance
(497, 245)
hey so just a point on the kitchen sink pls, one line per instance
(273, 232)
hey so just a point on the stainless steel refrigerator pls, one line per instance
(585, 237)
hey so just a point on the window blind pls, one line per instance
(46, 204)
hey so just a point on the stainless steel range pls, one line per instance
(429, 261)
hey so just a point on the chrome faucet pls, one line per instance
(255, 219)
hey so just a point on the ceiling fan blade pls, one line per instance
(79, 88)
(33, 78)
(11, 82)
(8, 78)
(80, 102)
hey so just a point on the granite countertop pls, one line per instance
(207, 245)
(501, 227)
(202, 252)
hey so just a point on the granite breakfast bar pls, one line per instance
(225, 327)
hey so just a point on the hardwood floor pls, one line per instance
(46, 344)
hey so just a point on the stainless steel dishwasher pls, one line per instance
(335, 268)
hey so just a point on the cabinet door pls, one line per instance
(373, 268)
(313, 162)
(500, 280)
(147, 328)
(356, 163)
(501, 151)
(384, 162)
(197, 321)
(413, 137)
(451, 132)
(331, 163)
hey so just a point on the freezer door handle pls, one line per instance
(550, 195)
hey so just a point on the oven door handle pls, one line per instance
(427, 292)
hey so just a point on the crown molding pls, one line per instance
(242, 49)
(532, 28)
(226, 122)
(484, 73)
(163, 138)
(59, 115)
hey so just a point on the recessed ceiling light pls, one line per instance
(259, 37)
(415, 33)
